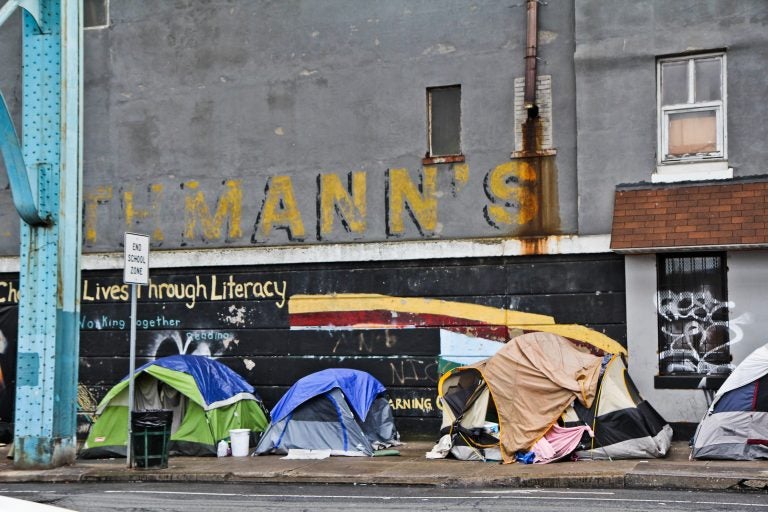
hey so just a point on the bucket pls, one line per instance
(239, 438)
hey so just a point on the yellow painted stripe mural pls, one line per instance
(516, 321)
(307, 304)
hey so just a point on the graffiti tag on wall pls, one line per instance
(695, 333)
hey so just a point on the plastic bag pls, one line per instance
(525, 457)
(222, 449)
(153, 419)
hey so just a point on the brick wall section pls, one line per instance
(648, 218)
(543, 101)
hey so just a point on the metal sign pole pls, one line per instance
(135, 272)
(129, 446)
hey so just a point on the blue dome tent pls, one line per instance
(338, 409)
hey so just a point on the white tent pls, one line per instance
(736, 424)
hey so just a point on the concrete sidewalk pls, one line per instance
(412, 468)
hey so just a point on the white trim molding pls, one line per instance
(692, 171)
(340, 253)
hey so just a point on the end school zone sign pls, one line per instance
(136, 270)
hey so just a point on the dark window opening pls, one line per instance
(693, 315)
(95, 13)
(444, 120)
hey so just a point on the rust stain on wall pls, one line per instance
(545, 219)
(533, 245)
(541, 162)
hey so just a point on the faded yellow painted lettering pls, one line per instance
(460, 176)
(132, 214)
(228, 210)
(350, 203)
(510, 187)
(92, 199)
(5, 230)
(280, 209)
(419, 200)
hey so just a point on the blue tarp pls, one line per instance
(215, 381)
(359, 388)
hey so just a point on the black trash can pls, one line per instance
(151, 434)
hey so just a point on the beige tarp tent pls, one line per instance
(531, 380)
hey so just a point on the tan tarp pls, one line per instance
(532, 379)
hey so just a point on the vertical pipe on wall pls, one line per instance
(531, 50)
(542, 213)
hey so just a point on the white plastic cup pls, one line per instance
(239, 438)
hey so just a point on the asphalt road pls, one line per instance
(176, 497)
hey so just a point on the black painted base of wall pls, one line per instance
(683, 431)
(6, 432)
(418, 429)
(689, 381)
(240, 316)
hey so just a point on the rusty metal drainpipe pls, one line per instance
(531, 47)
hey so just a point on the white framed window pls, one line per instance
(691, 96)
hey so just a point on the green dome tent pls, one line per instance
(206, 397)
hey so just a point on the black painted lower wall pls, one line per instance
(240, 315)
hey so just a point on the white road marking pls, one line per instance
(404, 498)
(4, 491)
(539, 491)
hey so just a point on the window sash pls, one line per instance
(680, 109)
(664, 111)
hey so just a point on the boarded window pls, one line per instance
(692, 133)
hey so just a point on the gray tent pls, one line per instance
(736, 424)
(341, 410)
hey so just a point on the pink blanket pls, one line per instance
(558, 442)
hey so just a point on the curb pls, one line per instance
(676, 472)
(695, 482)
(631, 480)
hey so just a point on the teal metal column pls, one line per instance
(48, 341)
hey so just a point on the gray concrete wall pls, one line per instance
(748, 323)
(211, 124)
(617, 44)
(10, 87)
(747, 277)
